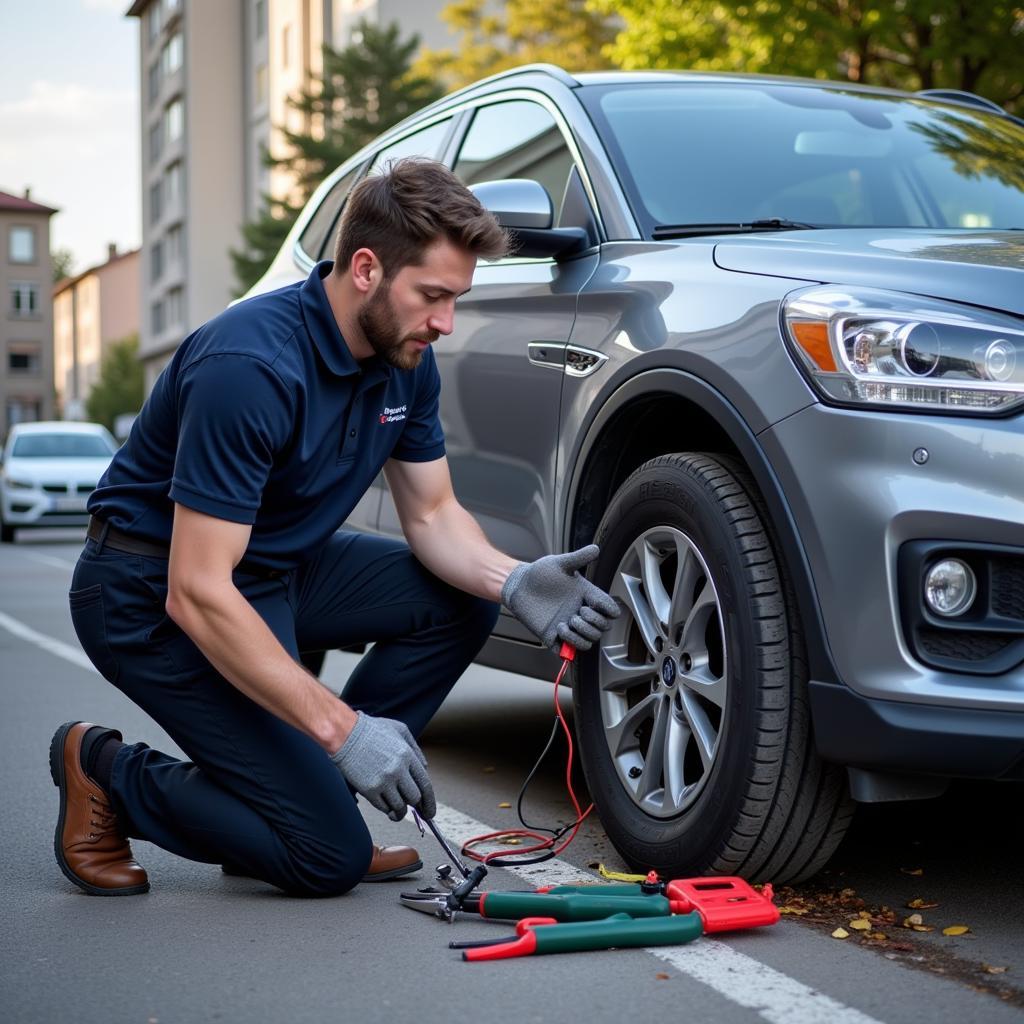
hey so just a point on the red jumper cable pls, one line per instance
(545, 846)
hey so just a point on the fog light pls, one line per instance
(950, 587)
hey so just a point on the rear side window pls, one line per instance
(516, 139)
(426, 142)
(317, 238)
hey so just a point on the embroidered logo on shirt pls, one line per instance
(393, 415)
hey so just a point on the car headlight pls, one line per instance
(18, 485)
(876, 348)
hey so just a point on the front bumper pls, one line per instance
(916, 739)
(858, 496)
(34, 507)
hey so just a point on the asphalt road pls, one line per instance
(204, 947)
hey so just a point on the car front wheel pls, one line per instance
(692, 713)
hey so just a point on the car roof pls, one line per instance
(58, 427)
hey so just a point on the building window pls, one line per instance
(175, 306)
(156, 201)
(174, 120)
(22, 245)
(156, 261)
(171, 54)
(261, 84)
(154, 22)
(23, 359)
(23, 410)
(260, 18)
(172, 183)
(156, 141)
(154, 82)
(24, 298)
(175, 243)
(157, 321)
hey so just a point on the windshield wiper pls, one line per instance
(743, 228)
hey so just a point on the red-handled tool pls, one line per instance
(538, 935)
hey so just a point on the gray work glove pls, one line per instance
(551, 598)
(381, 760)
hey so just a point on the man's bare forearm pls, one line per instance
(240, 645)
(450, 543)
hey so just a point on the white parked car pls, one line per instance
(49, 470)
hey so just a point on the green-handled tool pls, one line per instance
(536, 936)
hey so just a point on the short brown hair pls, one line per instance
(414, 203)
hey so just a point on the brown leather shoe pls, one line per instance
(90, 849)
(392, 862)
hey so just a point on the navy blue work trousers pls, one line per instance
(256, 793)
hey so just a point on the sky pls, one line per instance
(69, 119)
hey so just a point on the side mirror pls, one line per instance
(524, 207)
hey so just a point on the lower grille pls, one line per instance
(962, 645)
(1008, 587)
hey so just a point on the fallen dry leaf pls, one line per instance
(504, 803)
(860, 924)
(912, 871)
(920, 904)
(793, 910)
(909, 922)
(922, 928)
(864, 915)
(661, 976)
(840, 933)
(488, 768)
(989, 969)
(956, 929)
(877, 935)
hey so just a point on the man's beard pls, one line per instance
(380, 327)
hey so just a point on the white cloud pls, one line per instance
(78, 148)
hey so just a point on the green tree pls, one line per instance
(363, 90)
(909, 44)
(120, 388)
(496, 37)
(61, 263)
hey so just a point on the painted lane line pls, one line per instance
(741, 979)
(46, 643)
(50, 560)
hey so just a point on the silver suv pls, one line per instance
(763, 340)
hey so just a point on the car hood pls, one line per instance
(80, 470)
(979, 268)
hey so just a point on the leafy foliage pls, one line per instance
(120, 387)
(909, 44)
(364, 89)
(495, 37)
(62, 262)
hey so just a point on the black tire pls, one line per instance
(760, 803)
(6, 533)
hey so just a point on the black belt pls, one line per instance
(109, 536)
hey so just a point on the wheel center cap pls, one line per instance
(668, 671)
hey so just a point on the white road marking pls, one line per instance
(50, 560)
(47, 643)
(741, 979)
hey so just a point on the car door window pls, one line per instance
(318, 235)
(426, 142)
(516, 139)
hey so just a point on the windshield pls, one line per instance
(61, 446)
(739, 152)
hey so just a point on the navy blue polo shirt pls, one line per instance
(264, 417)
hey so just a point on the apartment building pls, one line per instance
(26, 323)
(91, 311)
(215, 80)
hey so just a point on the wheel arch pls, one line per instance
(661, 411)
